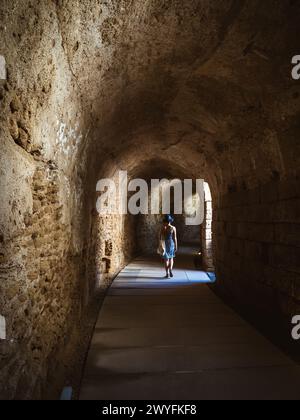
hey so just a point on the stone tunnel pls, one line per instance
(195, 89)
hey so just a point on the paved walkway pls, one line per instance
(174, 339)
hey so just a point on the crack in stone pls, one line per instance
(65, 49)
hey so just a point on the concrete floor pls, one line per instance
(175, 340)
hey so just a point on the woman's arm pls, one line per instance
(161, 240)
(160, 234)
(175, 239)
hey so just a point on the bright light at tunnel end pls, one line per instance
(121, 196)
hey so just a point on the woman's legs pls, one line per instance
(171, 266)
(167, 267)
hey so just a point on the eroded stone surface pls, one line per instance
(3, 74)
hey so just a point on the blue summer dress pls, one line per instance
(169, 245)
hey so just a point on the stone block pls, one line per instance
(253, 197)
(13, 129)
(289, 189)
(2, 328)
(269, 193)
(286, 211)
(236, 247)
(259, 213)
(287, 234)
(232, 230)
(286, 257)
(3, 72)
(220, 228)
(207, 224)
(36, 206)
(282, 280)
(33, 275)
(260, 232)
(296, 291)
(253, 250)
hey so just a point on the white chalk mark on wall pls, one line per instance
(2, 328)
(3, 74)
(68, 138)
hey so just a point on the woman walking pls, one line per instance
(169, 245)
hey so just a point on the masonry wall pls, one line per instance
(258, 247)
(187, 234)
(112, 238)
(42, 217)
(115, 247)
(207, 238)
(40, 272)
(147, 233)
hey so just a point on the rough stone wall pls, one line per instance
(207, 232)
(258, 249)
(187, 234)
(116, 246)
(41, 215)
(112, 240)
(40, 288)
(207, 238)
(147, 234)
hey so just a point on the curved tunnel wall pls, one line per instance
(93, 87)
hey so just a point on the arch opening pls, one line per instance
(131, 235)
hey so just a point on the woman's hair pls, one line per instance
(168, 219)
